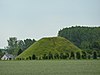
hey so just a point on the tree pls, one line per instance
(50, 55)
(56, 56)
(62, 56)
(89, 56)
(96, 44)
(12, 42)
(67, 55)
(84, 55)
(21, 45)
(15, 45)
(30, 58)
(83, 37)
(12, 46)
(72, 56)
(94, 55)
(33, 57)
(28, 42)
(78, 55)
(20, 51)
(1, 54)
(45, 56)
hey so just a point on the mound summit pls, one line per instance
(49, 45)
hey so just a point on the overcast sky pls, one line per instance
(40, 18)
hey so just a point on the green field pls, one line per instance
(50, 67)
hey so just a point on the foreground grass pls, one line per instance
(50, 67)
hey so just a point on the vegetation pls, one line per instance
(78, 55)
(83, 37)
(1, 54)
(50, 67)
(94, 55)
(16, 47)
(19, 52)
(50, 48)
(86, 38)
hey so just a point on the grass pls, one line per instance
(51, 44)
(50, 67)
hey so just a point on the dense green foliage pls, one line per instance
(50, 48)
(19, 52)
(50, 67)
(16, 47)
(86, 38)
(1, 53)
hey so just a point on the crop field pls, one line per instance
(50, 67)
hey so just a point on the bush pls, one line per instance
(33, 57)
(26, 58)
(56, 56)
(78, 55)
(63, 56)
(50, 55)
(84, 55)
(19, 58)
(30, 58)
(45, 56)
(72, 55)
(66, 55)
(89, 56)
(94, 55)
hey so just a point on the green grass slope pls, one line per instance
(51, 44)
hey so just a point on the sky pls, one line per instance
(44, 18)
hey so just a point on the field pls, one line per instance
(50, 67)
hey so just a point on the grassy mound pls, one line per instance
(52, 45)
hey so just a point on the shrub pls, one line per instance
(63, 56)
(19, 58)
(84, 55)
(94, 55)
(89, 56)
(33, 57)
(56, 56)
(30, 58)
(78, 55)
(66, 55)
(45, 56)
(26, 58)
(72, 55)
(50, 55)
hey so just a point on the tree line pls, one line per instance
(16, 47)
(71, 55)
(86, 38)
